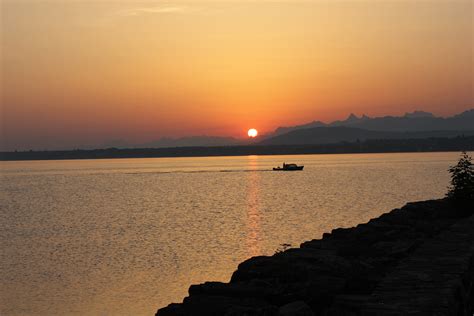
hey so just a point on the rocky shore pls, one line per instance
(417, 260)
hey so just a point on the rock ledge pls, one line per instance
(415, 260)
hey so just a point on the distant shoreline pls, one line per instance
(369, 146)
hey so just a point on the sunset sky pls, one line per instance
(77, 73)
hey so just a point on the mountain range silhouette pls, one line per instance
(417, 124)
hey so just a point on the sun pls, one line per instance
(252, 132)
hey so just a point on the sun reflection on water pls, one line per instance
(254, 236)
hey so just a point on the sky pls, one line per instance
(82, 73)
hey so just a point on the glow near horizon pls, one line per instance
(77, 73)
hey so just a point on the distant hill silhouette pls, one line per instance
(336, 134)
(410, 122)
(284, 130)
(365, 128)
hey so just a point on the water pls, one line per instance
(126, 236)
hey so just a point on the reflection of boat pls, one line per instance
(288, 167)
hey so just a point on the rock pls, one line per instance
(323, 244)
(239, 290)
(172, 310)
(417, 259)
(342, 232)
(298, 308)
(347, 305)
(252, 311)
(210, 305)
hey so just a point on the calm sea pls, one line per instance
(126, 236)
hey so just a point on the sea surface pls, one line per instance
(127, 236)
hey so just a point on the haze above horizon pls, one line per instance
(75, 72)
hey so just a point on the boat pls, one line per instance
(288, 167)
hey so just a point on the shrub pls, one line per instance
(462, 180)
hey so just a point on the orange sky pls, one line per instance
(80, 73)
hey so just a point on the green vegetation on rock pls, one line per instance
(462, 180)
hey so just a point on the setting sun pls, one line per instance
(252, 132)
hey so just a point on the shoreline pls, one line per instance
(416, 259)
(369, 146)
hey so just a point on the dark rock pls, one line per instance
(298, 308)
(219, 305)
(172, 310)
(347, 305)
(416, 260)
(324, 244)
(252, 311)
(240, 290)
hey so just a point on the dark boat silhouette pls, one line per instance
(288, 167)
